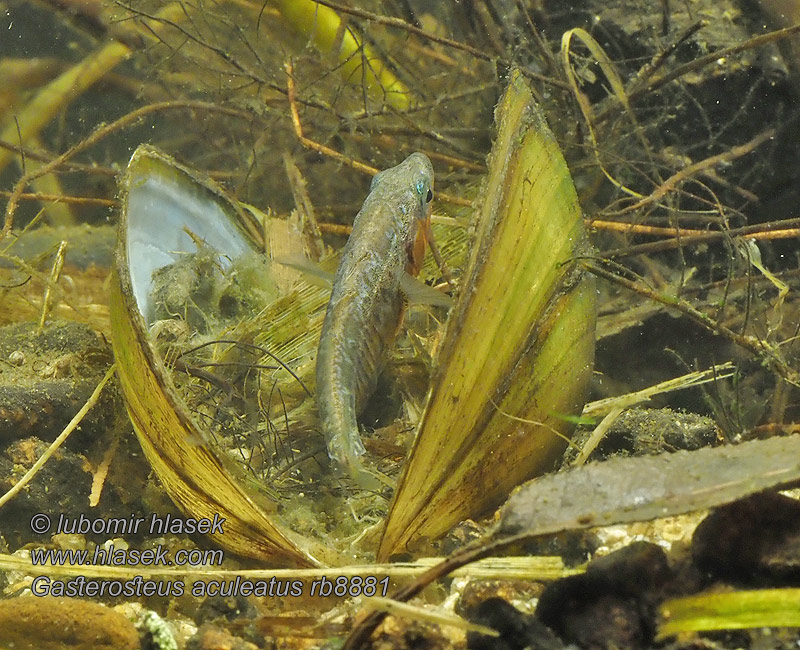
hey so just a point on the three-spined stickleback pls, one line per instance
(367, 303)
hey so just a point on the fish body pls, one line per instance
(367, 303)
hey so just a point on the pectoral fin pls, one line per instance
(312, 272)
(417, 293)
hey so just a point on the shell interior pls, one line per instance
(166, 206)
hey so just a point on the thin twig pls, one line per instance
(250, 347)
(362, 631)
(23, 162)
(74, 200)
(641, 229)
(695, 168)
(782, 229)
(767, 353)
(440, 261)
(332, 153)
(310, 144)
(335, 228)
(55, 273)
(45, 156)
(99, 476)
(659, 59)
(73, 424)
(98, 134)
(712, 57)
(399, 23)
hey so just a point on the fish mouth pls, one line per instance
(417, 246)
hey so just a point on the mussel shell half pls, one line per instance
(518, 349)
(163, 203)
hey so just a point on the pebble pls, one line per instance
(31, 623)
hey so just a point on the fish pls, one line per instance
(367, 304)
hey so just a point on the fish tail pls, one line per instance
(345, 447)
(346, 451)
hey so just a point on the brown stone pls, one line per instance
(210, 637)
(32, 623)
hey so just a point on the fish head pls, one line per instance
(413, 178)
(420, 229)
(406, 191)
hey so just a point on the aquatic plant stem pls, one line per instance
(101, 132)
(399, 23)
(58, 93)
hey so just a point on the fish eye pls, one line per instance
(429, 197)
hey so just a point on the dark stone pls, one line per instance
(517, 630)
(613, 604)
(755, 541)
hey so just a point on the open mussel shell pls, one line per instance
(167, 210)
(518, 349)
